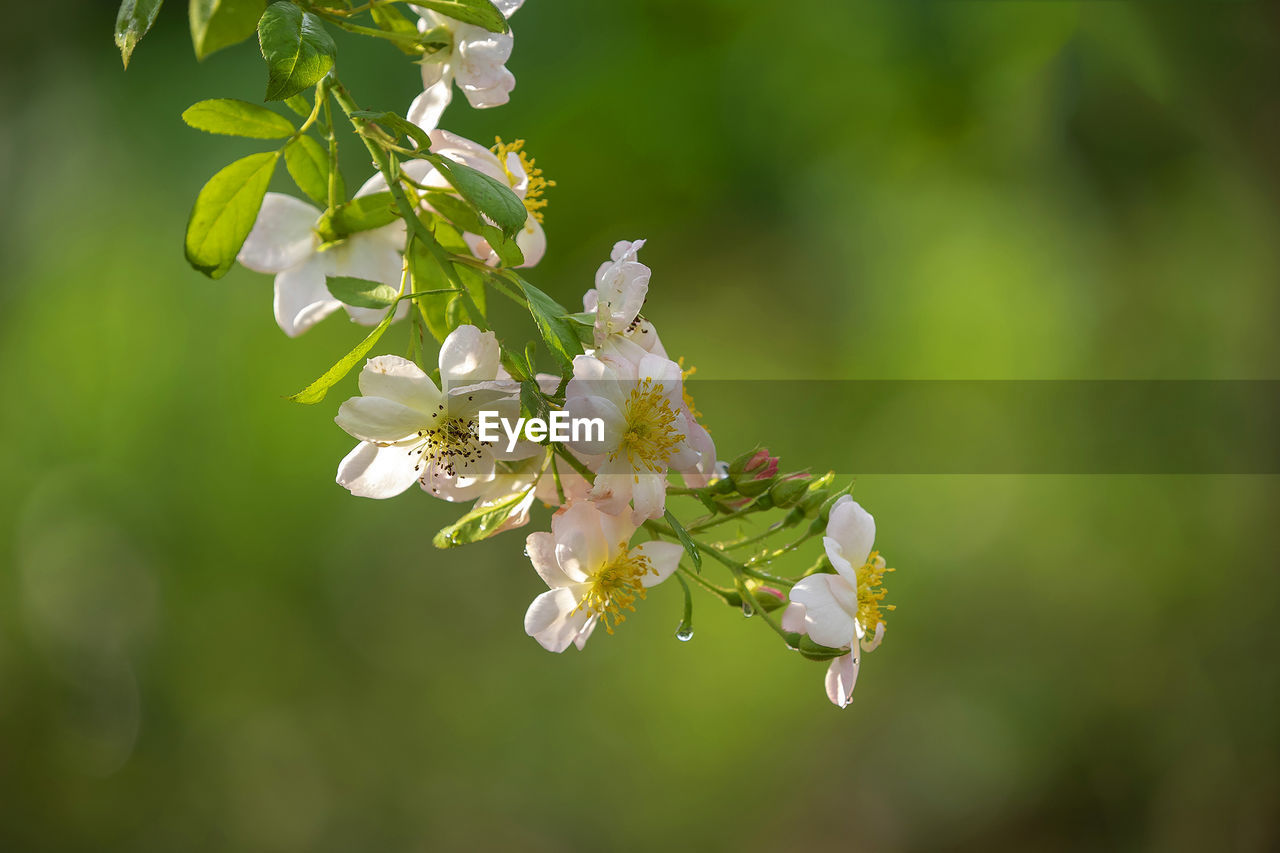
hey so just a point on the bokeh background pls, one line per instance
(205, 644)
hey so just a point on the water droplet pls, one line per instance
(684, 633)
(747, 609)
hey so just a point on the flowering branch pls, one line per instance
(442, 223)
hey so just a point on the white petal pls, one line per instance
(554, 620)
(467, 153)
(594, 441)
(426, 109)
(649, 496)
(854, 528)
(381, 420)
(842, 674)
(532, 241)
(793, 618)
(373, 471)
(665, 557)
(370, 255)
(401, 380)
(281, 237)
(827, 620)
(581, 548)
(870, 645)
(468, 355)
(541, 548)
(301, 297)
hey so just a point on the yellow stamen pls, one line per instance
(616, 586)
(684, 390)
(651, 436)
(871, 592)
(537, 184)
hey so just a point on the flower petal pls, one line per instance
(426, 109)
(541, 548)
(665, 557)
(842, 674)
(381, 420)
(468, 355)
(377, 471)
(854, 528)
(581, 548)
(281, 237)
(554, 620)
(827, 620)
(301, 297)
(398, 379)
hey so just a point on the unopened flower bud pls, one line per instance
(789, 490)
(770, 598)
(754, 472)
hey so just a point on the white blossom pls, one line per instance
(475, 59)
(411, 430)
(284, 242)
(645, 429)
(842, 610)
(593, 574)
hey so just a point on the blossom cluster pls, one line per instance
(443, 224)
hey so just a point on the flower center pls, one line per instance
(453, 443)
(616, 586)
(537, 186)
(651, 435)
(871, 592)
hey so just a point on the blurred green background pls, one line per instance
(206, 644)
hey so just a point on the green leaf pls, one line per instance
(225, 211)
(584, 323)
(817, 651)
(686, 540)
(482, 13)
(230, 117)
(509, 254)
(557, 331)
(428, 275)
(365, 213)
(132, 23)
(216, 24)
(455, 210)
(308, 165)
(361, 293)
(391, 20)
(315, 392)
(491, 197)
(296, 47)
(300, 105)
(484, 520)
(684, 632)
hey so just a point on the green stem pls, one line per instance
(383, 161)
(728, 596)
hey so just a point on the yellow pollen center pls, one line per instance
(871, 592)
(616, 586)
(537, 184)
(651, 435)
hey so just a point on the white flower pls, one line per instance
(410, 430)
(476, 59)
(594, 576)
(284, 242)
(840, 610)
(645, 429)
(509, 164)
(622, 284)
